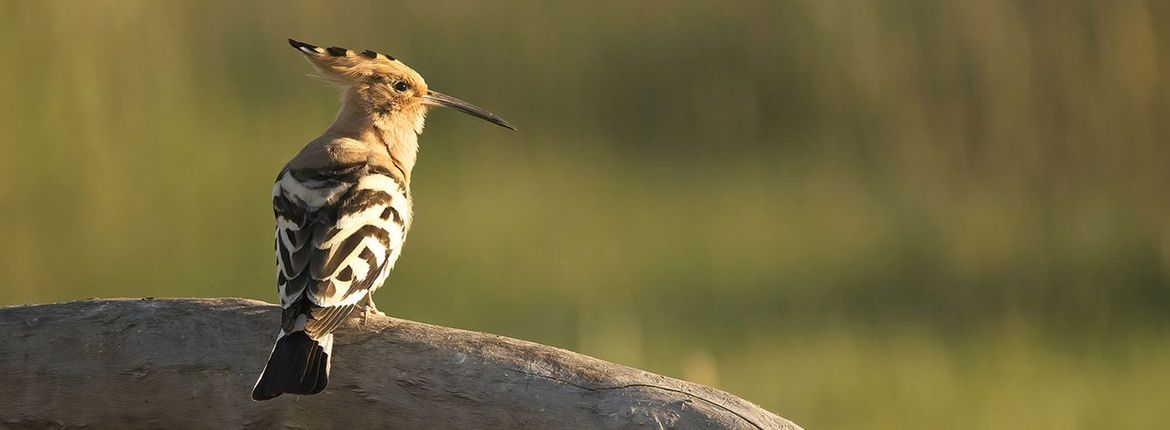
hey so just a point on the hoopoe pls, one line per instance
(343, 208)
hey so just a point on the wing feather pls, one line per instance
(330, 257)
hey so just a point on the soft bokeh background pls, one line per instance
(858, 214)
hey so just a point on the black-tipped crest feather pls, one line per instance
(301, 45)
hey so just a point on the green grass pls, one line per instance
(1011, 376)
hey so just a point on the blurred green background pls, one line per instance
(858, 214)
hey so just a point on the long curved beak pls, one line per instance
(435, 98)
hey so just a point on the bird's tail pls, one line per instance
(298, 365)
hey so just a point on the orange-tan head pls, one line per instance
(383, 86)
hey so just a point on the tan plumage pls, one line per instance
(343, 208)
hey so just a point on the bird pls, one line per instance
(343, 208)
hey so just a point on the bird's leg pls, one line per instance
(366, 305)
(368, 308)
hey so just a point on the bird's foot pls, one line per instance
(369, 310)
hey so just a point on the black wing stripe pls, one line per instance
(296, 286)
(329, 177)
(364, 199)
(343, 250)
(292, 260)
(389, 213)
(286, 259)
(287, 209)
(301, 256)
(392, 174)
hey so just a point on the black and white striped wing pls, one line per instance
(336, 241)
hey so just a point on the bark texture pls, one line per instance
(191, 363)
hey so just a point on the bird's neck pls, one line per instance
(391, 139)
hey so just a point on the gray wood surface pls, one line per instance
(191, 363)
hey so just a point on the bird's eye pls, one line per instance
(401, 86)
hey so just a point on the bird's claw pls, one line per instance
(370, 309)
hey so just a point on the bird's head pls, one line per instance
(384, 87)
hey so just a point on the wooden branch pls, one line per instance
(191, 363)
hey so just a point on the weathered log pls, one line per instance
(191, 363)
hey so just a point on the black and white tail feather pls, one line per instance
(298, 365)
(338, 233)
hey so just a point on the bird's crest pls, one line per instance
(348, 67)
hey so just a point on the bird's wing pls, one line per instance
(338, 233)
